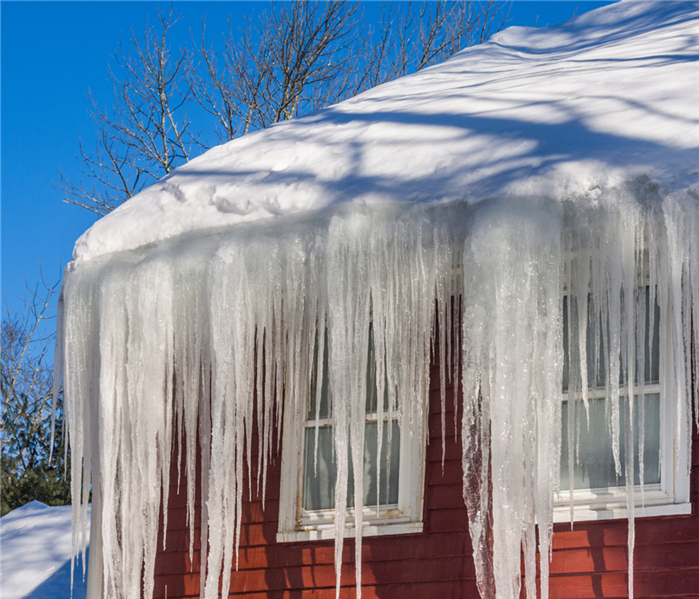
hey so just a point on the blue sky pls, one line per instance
(52, 55)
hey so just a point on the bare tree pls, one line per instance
(26, 385)
(411, 36)
(302, 56)
(146, 133)
(292, 59)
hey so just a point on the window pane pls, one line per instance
(324, 397)
(596, 359)
(596, 367)
(595, 467)
(389, 484)
(652, 361)
(319, 487)
(371, 405)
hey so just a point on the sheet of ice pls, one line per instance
(589, 103)
(35, 554)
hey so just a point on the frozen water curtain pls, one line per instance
(203, 337)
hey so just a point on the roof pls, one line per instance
(561, 111)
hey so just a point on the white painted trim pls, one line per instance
(587, 513)
(296, 524)
(610, 504)
(368, 530)
(671, 497)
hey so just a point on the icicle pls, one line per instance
(348, 317)
(217, 333)
(681, 212)
(80, 363)
(511, 325)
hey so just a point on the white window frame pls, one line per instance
(406, 517)
(671, 497)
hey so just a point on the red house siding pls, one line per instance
(588, 562)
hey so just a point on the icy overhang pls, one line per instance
(561, 111)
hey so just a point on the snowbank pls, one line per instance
(35, 555)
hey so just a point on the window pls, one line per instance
(392, 500)
(599, 492)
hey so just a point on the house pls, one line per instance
(474, 285)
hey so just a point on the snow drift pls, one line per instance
(543, 164)
(35, 561)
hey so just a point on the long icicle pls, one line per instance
(195, 330)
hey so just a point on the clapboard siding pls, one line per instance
(589, 561)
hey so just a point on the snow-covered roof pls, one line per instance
(566, 110)
(36, 550)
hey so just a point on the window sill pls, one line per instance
(369, 529)
(612, 506)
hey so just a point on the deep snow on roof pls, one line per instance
(563, 111)
(35, 556)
